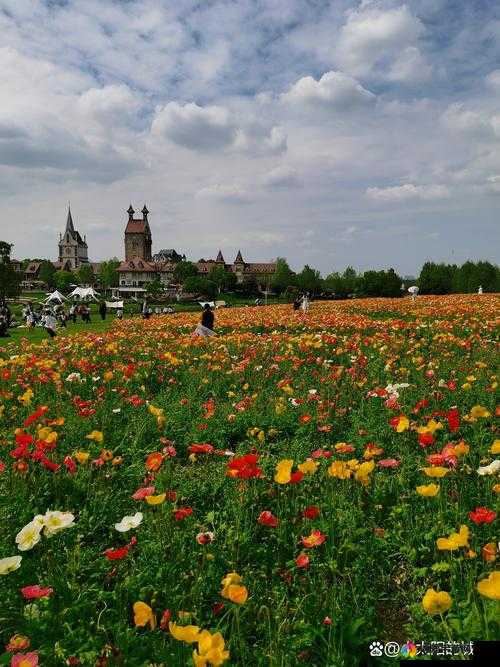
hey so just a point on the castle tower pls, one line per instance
(73, 250)
(138, 240)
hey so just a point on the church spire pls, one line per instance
(239, 258)
(220, 257)
(69, 222)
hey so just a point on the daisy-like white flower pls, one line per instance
(29, 535)
(55, 521)
(129, 522)
(10, 564)
(492, 469)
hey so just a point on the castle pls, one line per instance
(140, 265)
(73, 250)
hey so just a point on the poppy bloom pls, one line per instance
(311, 512)
(482, 515)
(435, 602)
(400, 423)
(154, 461)
(425, 439)
(165, 618)
(17, 643)
(302, 561)
(34, 592)
(181, 513)
(204, 448)
(25, 660)
(143, 615)
(315, 539)
(296, 477)
(205, 538)
(267, 518)
(117, 554)
(453, 417)
(70, 465)
(388, 463)
(244, 467)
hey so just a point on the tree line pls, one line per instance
(434, 278)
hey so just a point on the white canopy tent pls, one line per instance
(210, 303)
(413, 290)
(55, 297)
(84, 294)
(114, 304)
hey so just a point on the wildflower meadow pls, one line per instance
(282, 494)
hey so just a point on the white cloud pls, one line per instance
(407, 192)
(493, 80)
(457, 118)
(410, 66)
(373, 37)
(282, 176)
(335, 90)
(225, 193)
(197, 128)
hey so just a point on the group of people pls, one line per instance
(5, 319)
(302, 302)
(147, 311)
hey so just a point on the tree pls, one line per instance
(343, 284)
(10, 279)
(308, 280)
(283, 276)
(223, 278)
(199, 285)
(184, 270)
(108, 274)
(63, 280)
(437, 278)
(46, 272)
(85, 275)
(154, 288)
(381, 283)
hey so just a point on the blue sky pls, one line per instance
(332, 133)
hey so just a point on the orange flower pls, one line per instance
(315, 539)
(154, 461)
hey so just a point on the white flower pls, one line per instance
(74, 377)
(117, 410)
(10, 564)
(295, 402)
(55, 521)
(312, 392)
(129, 522)
(30, 535)
(491, 469)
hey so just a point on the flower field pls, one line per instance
(282, 494)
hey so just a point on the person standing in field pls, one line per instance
(206, 326)
(49, 323)
(103, 309)
(72, 312)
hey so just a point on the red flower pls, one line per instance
(34, 592)
(315, 539)
(244, 467)
(453, 417)
(482, 515)
(435, 459)
(117, 554)
(35, 416)
(182, 513)
(321, 453)
(166, 616)
(302, 561)
(425, 439)
(305, 419)
(327, 620)
(311, 512)
(389, 463)
(217, 608)
(154, 461)
(70, 465)
(140, 494)
(296, 477)
(204, 448)
(267, 518)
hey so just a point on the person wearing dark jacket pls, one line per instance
(103, 309)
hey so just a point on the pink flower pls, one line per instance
(140, 494)
(389, 463)
(392, 403)
(36, 591)
(24, 660)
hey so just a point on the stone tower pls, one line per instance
(73, 250)
(138, 241)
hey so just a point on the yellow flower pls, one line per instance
(26, 397)
(403, 424)
(10, 564)
(431, 426)
(108, 375)
(428, 490)
(184, 633)
(435, 602)
(340, 470)
(478, 411)
(455, 540)
(496, 488)
(490, 587)
(309, 467)
(210, 650)
(362, 473)
(82, 457)
(495, 447)
(461, 449)
(283, 471)
(232, 590)
(155, 500)
(143, 614)
(106, 454)
(437, 471)
(96, 436)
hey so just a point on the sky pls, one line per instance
(332, 133)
